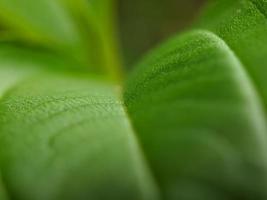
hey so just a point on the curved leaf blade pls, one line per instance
(243, 26)
(200, 120)
(67, 137)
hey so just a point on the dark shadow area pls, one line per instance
(144, 23)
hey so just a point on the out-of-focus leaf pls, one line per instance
(44, 20)
(200, 120)
(99, 20)
(11, 53)
(67, 137)
(80, 29)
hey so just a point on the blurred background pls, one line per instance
(145, 23)
(85, 32)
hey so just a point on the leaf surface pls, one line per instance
(80, 29)
(45, 20)
(197, 105)
(3, 194)
(242, 24)
(67, 136)
(200, 120)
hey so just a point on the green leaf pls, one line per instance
(12, 53)
(191, 123)
(68, 137)
(45, 21)
(200, 120)
(243, 26)
(3, 194)
(98, 20)
(81, 29)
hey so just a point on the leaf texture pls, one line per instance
(66, 137)
(195, 126)
(200, 120)
(242, 24)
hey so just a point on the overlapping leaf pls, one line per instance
(200, 120)
(197, 106)
(243, 26)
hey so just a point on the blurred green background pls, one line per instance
(144, 23)
(84, 29)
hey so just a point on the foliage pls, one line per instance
(188, 123)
